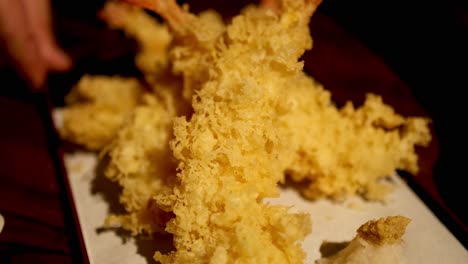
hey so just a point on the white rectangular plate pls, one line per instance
(426, 240)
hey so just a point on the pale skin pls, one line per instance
(27, 40)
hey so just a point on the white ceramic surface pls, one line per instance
(426, 240)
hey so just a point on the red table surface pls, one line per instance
(30, 198)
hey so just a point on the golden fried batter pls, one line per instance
(343, 152)
(98, 105)
(152, 58)
(228, 151)
(384, 231)
(141, 162)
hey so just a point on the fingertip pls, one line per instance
(58, 60)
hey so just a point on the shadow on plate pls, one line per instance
(328, 249)
(110, 192)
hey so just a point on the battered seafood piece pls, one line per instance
(139, 158)
(228, 151)
(345, 152)
(97, 107)
(195, 38)
(377, 241)
(152, 57)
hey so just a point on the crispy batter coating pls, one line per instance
(384, 230)
(98, 105)
(343, 152)
(194, 57)
(377, 241)
(228, 151)
(153, 57)
(141, 162)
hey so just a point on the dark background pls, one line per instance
(425, 44)
(411, 52)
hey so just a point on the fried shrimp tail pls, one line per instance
(276, 5)
(173, 14)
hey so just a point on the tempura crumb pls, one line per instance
(377, 241)
(384, 230)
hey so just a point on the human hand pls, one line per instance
(27, 39)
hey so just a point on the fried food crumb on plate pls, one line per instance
(230, 115)
(377, 241)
